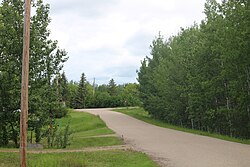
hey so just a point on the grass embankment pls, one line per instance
(141, 114)
(87, 131)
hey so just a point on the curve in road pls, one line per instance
(173, 148)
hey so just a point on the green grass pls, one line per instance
(93, 132)
(85, 131)
(141, 114)
(79, 143)
(83, 126)
(90, 159)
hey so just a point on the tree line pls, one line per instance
(83, 94)
(200, 78)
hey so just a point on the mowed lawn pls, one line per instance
(111, 158)
(87, 131)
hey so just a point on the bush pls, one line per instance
(58, 138)
(59, 110)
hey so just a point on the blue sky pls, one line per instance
(108, 38)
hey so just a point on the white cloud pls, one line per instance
(107, 39)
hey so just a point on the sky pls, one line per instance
(108, 38)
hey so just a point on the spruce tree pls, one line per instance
(81, 92)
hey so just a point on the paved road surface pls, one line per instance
(172, 148)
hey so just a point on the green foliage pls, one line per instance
(62, 138)
(46, 62)
(58, 137)
(80, 99)
(199, 78)
(101, 96)
(59, 110)
(112, 88)
(130, 95)
(72, 88)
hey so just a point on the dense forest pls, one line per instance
(200, 78)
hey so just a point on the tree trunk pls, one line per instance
(192, 123)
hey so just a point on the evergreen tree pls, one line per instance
(112, 88)
(81, 92)
(63, 88)
(72, 86)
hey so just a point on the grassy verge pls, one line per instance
(91, 159)
(85, 131)
(83, 126)
(141, 114)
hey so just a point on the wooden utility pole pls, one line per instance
(25, 84)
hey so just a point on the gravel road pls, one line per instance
(171, 148)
